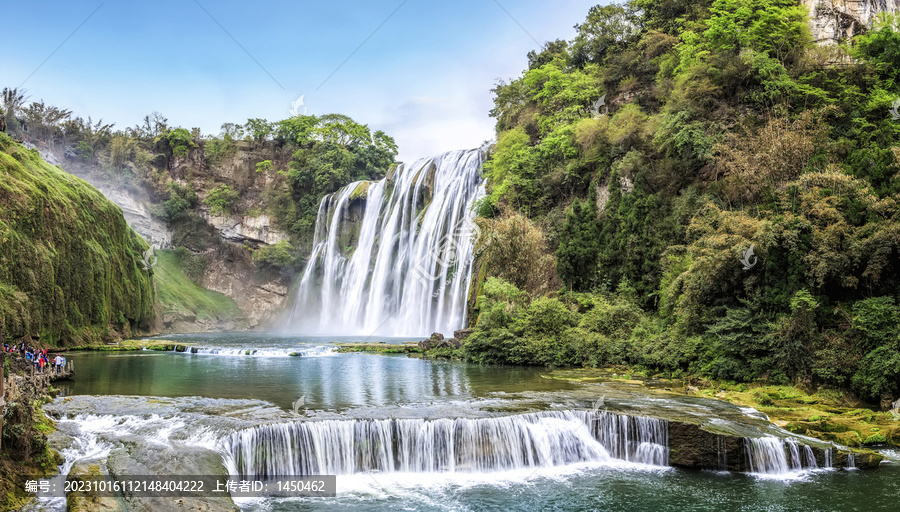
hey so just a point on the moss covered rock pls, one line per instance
(70, 267)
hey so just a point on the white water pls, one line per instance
(544, 439)
(781, 458)
(409, 272)
(317, 351)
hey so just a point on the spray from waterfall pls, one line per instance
(394, 257)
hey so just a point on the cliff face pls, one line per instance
(832, 21)
(70, 267)
(220, 245)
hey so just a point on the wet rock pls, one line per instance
(136, 457)
(437, 341)
(690, 447)
(462, 334)
(92, 502)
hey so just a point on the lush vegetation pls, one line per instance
(179, 295)
(723, 128)
(300, 160)
(70, 268)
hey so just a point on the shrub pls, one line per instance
(221, 200)
(264, 166)
(276, 256)
(762, 398)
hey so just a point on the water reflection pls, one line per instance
(326, 382)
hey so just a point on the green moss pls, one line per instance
(361, 190)
(380, 348)
(178, 294)
(70, 267)
(762, 398)
(875, 439)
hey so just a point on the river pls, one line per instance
(411, 434)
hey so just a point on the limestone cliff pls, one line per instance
(833, 21)
(219, 245)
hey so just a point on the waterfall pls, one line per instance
(393, 257)
(446, 445)
(828, 458)
(766, 455)
(810, 458)
(722, 452)
(795, 454)
(633, 438)
(851, 460)
(769, 456)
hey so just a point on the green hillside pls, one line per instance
(698, 188)
(70, 268)
(181, 296)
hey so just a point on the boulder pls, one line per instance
(462, 334)
(437, 341)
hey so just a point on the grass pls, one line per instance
(180, 295)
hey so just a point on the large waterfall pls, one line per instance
(446, 445)
(393, 257)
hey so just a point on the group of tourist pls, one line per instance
(39, 357)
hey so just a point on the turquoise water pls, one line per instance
(618, 489)
(377, 386)
(326, 380)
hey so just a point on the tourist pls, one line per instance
(58, 362)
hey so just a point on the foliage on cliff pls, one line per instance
(281, 168)
(655, 149)
(182, 297)
(70, 267)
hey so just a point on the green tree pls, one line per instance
(221, 200)
(578, 251)
(259, 130)
(12, 100)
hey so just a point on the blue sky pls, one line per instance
(424, 77)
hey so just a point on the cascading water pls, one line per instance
(393, 257)
(317, 351)
(779, 457)
(446, 445)
(722, 452)
(810, 458)
(767, 456)
(633, 438)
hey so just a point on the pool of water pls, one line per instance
(327, 380)
(149, 399)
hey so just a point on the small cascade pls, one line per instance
(810, 458)
(766, 455)
(851, 461)
(445, 445)
(828, 455)
(317, 351)
(633, 438)
(722, 452)
(795, 454)
(775, 456)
